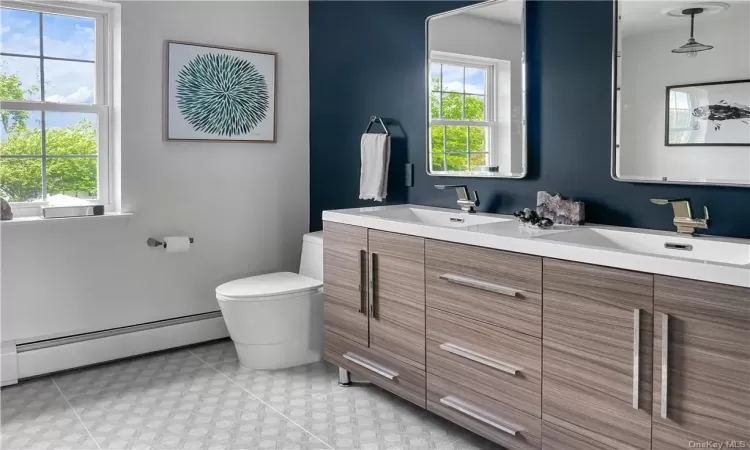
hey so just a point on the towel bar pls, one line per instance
(374, 119)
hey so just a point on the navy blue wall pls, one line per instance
(367, 57)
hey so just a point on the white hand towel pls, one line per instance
(373, 175)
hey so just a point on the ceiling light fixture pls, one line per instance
(692, 47)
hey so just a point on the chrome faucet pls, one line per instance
(683, 215)
(464, 201)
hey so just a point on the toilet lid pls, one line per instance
(268, 285)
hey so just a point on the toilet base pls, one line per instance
(276, 356)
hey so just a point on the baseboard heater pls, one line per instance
(54, 355)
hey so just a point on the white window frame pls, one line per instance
(491, 67)
(104, 94)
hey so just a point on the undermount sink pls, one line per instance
(698, 248)
(430, 217)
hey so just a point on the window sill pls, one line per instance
(20, 221)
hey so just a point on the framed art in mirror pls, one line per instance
(713, 114)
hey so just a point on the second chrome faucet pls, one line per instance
(683, 215)
(466, 203)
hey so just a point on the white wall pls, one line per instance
(475, 36)
(246, 205)
(648, 68)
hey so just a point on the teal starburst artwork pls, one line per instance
(222, 94)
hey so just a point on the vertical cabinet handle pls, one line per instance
(373, 285)
(362, 282)
(664, 363)
(636, 354)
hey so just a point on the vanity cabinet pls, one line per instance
(344, 280)
(702, 359)
(597, 357)
(539, 353)
(375, 307)
(484, 352)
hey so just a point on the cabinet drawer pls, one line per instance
(502, 364)
(509, 427)
(488, 285)
(402, 379)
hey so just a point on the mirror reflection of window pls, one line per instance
(475, 86)
(467, 95)
(681, 105)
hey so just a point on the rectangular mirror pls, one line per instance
(682, 92)
(476, 91)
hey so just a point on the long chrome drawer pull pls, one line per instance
(362, 282)
(373, 284)
(664, 363)
(371, 366)
(481, 359)
(478, 414)
(479, 284)
(636, 355)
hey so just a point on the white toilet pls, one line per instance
(276, 319)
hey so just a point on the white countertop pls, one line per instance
(511, 236)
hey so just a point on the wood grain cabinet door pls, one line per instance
(596, 359)
(397, 302)
(702, 364)
(345, 281)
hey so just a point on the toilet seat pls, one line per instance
(261, 287)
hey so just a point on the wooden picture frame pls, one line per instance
(197, 110)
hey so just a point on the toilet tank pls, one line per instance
(311, 261)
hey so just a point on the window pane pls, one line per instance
(474, 107)
(21, 133)
(437, 133)
(455, 139)
(457, 162)
(20, 78)
(69, 82)
(72, 176)
(21, 179)
(435, 105)
(478, 160)
(435, 76)
(68, 37)
(475, 80)
(478, 139)
(453, 78)
(453, 106)
(20, 31)
(71, 133)
(437, 161)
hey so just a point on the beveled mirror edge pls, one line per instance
(615, 110)
(524, 83)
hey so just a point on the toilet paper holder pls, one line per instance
(151, 242)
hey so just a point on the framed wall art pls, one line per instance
(219, 94)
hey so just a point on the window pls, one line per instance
(55, 95)
(680, 117)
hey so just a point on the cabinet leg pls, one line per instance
(345, 378)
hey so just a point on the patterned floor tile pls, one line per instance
(216, 352)
(201, 398)
(308, 380)
(175, 402)
(365, 416)
(35, 416)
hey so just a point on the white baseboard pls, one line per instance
(8, 367)
(42, 361)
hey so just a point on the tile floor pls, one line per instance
(200, 398)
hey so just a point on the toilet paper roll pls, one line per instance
(176, 244)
